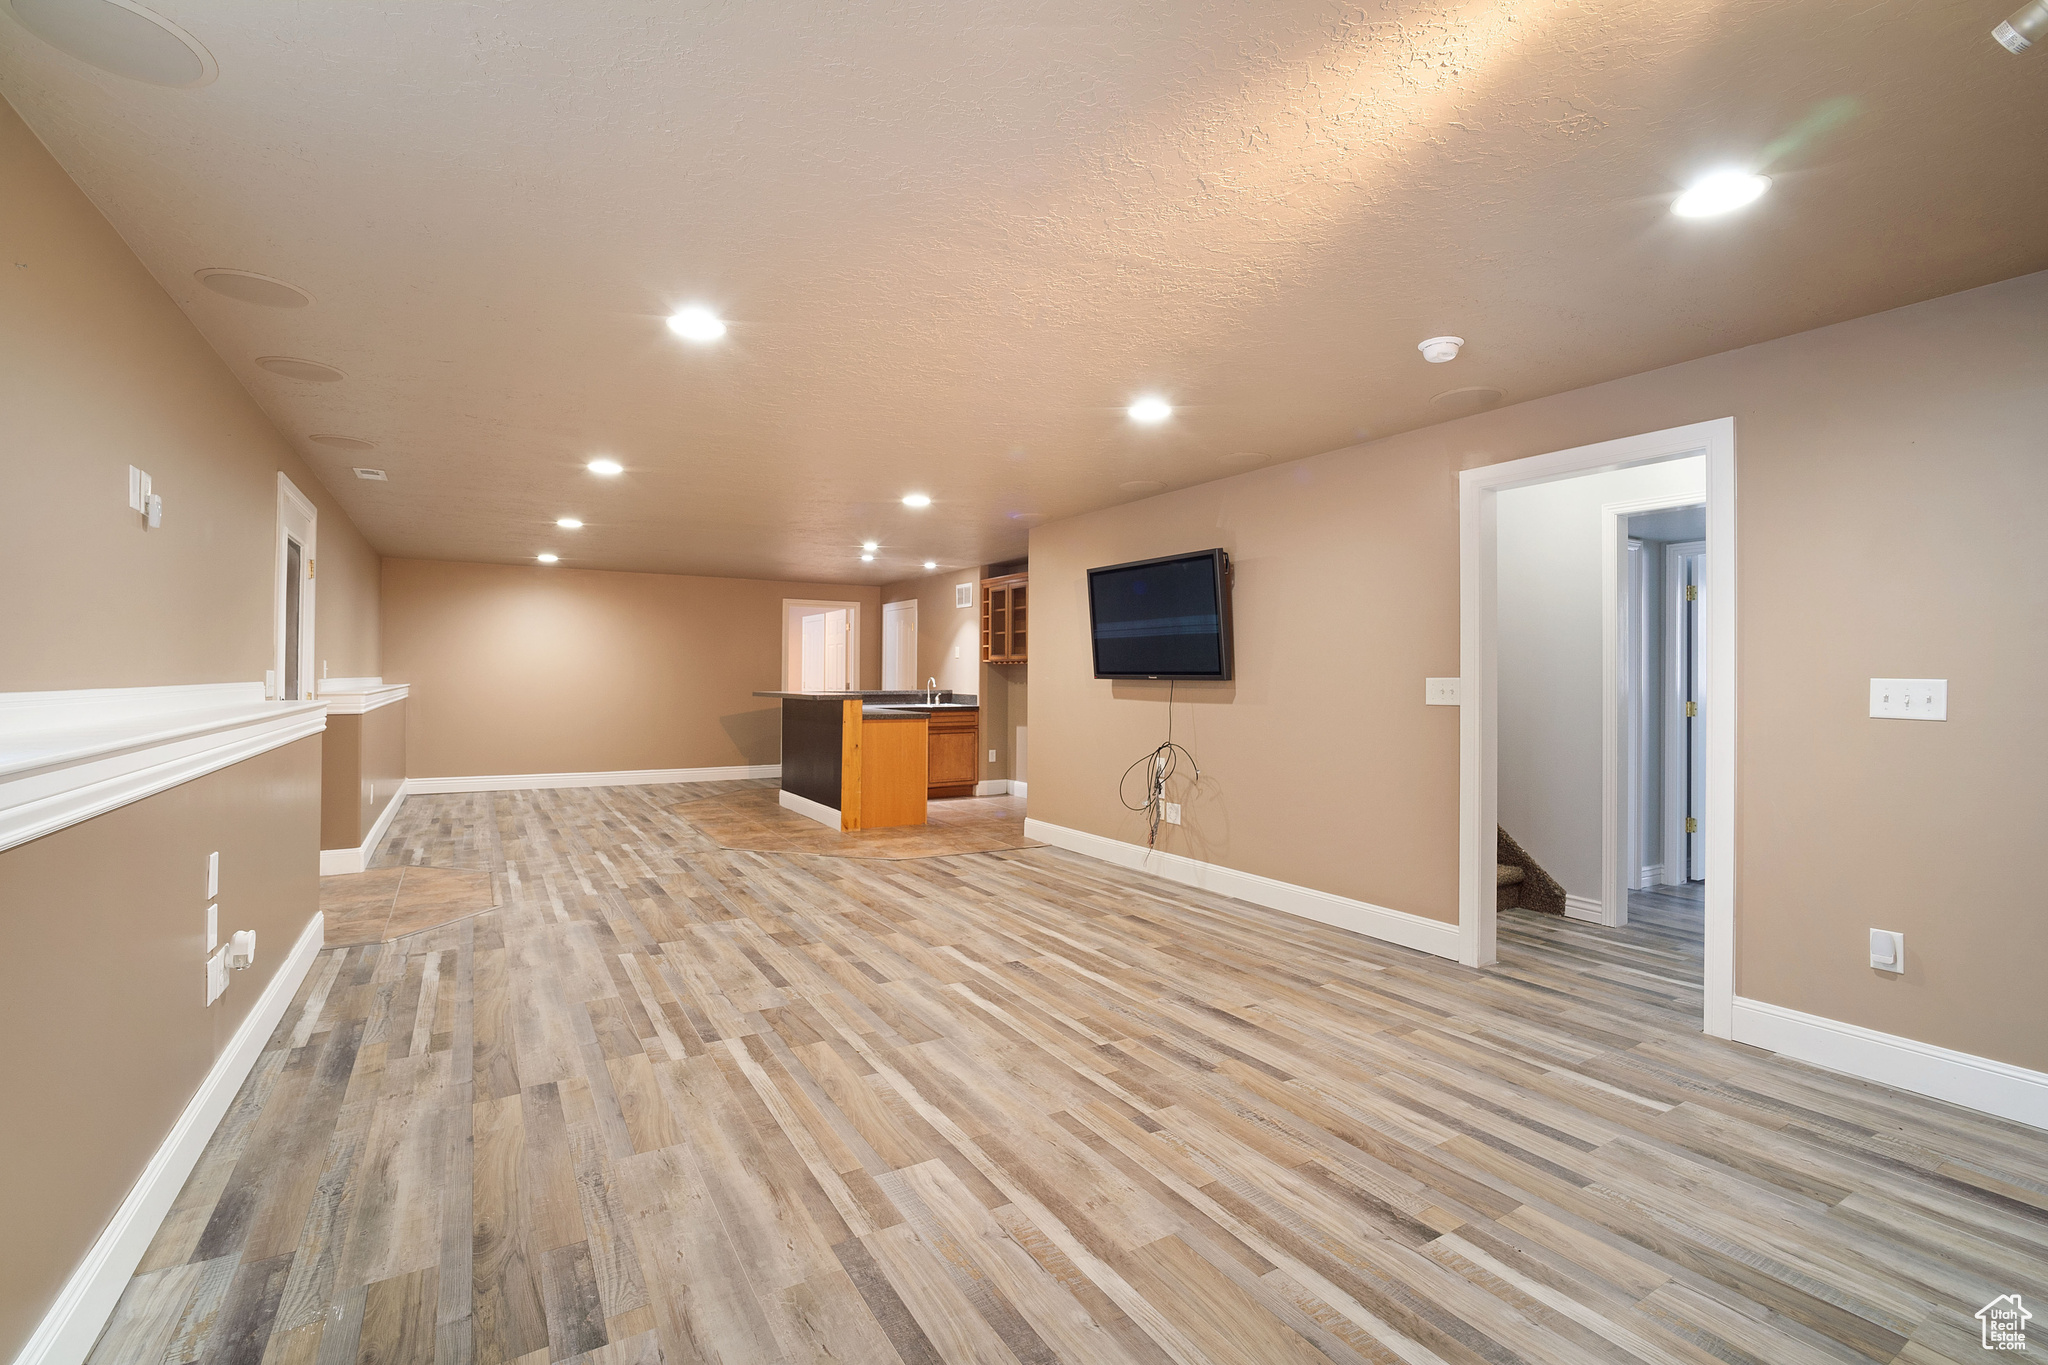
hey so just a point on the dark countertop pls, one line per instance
(953, 701)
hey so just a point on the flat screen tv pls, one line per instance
(1162, 618)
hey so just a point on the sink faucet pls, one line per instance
(931, 686)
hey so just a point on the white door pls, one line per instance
(1694, 722)
(899, 647)
(292, 676)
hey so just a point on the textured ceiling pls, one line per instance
(954, 240)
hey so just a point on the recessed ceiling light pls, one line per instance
(606, 467)
(1721, 192)
(867, 559)
(569, 523)
(341, 442)
(250, 287)
(931, 563)
(870, 546)
(373, 475)
(1151, 410)
(696, 324)
(546, 558)
(121, 37)
(917, 500)
(292, 368)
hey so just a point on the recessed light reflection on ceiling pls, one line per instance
(546, 558)
(696, 323)
(569, 523)
(931, 563)
(606, 467)
(867, 559)
(1151, 410)
(1721, 192)
(917, 500)
(870, 546)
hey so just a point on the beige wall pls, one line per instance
(362, 761)
(100, 370)
(530, 669)
(102, 1002)
(1892, 486)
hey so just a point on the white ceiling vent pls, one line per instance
(963, 594)
(121, 37)
(373, 475)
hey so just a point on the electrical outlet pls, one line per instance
(1441, 691)
(991, 755)
(1887, 950)
(212, 876)
(1909, 698)
(1172, 812)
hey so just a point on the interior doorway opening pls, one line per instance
(899, 646)
(1596, 802)
(291, 673)
(820, 646)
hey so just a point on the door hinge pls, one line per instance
(1692, 708)
(309, 570)
(1692, 826)
(1692, 592)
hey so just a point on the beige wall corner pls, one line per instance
(1891, 491)
(99, 370)
(518, 669)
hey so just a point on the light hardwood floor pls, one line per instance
(675, 1102)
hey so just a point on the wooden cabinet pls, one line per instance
(1005, 619)
(955, 751)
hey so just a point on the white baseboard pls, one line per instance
(1585, 908)
(825, 815)
(335, 862)
(1650, 877)
(994, 786)
(635, 777)
(1361, 917)
(2000, 1088)
(1019, 788)
(67, 1332)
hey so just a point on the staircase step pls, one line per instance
(1506, 874)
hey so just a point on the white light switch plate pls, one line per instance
(216, 976)
(212, 927)
(212, 875)
(1909, 698)
(1887, 950)
(138, 490)
(1173, 812)
(1441, 691)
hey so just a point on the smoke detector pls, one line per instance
(1437, 350)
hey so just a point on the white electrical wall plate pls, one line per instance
(1909, 698)
(212, 927)
(216, 976)
(138, 490)
(212, 875)
(1442, 691)
(1887, 950)
(1172, 812)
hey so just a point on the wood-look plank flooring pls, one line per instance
(391, 902)
(755, 820)
(673, 1102)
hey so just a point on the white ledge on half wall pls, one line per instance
(68, 756)
(353, 696)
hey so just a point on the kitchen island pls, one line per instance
(862, 760)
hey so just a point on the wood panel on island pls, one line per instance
(1005, 618)
(871, 760)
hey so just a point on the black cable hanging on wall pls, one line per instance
(1165, 762)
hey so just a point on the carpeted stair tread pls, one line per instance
(1506, 874)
